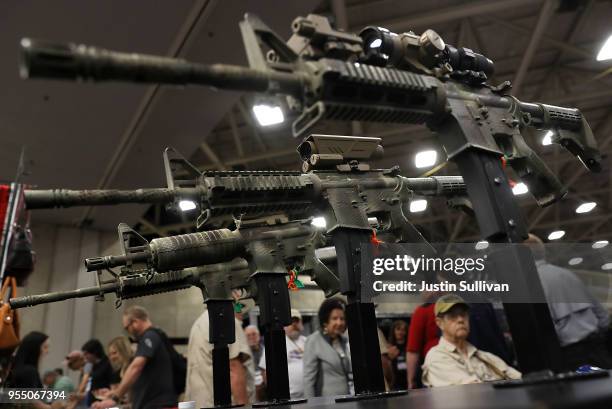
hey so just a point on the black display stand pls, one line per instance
(275, 314)
(221, 334)
(360, 316)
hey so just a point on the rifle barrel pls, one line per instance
(51, 198)
(31, 300)
(41, 59)
(437, 185)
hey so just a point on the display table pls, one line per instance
(588, 394)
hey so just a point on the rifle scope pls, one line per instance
(383, 47)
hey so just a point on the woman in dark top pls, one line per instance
(24, 372)
(101, 375)
(32, 349)
(397, 353)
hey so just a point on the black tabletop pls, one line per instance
(588, 394)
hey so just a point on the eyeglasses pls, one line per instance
(127, 327)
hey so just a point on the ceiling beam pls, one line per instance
(575, 29)
(235, 134)
(179, 45)
(152, 228)
(546, 12)
(549, 40)
(437, 16)
(339, 10)
(212, 156)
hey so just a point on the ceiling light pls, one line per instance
(417, 206)
(425, 159)
(607, 266)
(268, 115)
(556, 235)
(575, 261)
(606, 51)
(186, 205)
(319, 222)
(599, 244)
(547, 140)
(520, 189)
(586, 207)
(481, 245)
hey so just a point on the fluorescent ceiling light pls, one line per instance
(425, 159)
(606, 51)
(186, 205)
(481, 245)
(547, 140)
(319, 222)
(520, 189)
(556, 235)
(599, 244)
(417, 206)
(586, 207)
(268, 115)
(575, 261)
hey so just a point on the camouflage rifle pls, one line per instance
(374, 76)
(329, 162)
(255, 258)
(384, 77)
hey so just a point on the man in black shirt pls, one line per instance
(101, 371)
(149, 376)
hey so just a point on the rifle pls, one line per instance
(328, 161)
(254, 258)
(375, 76)
(336, 170)
(385, 77)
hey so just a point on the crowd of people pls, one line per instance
(446, 342)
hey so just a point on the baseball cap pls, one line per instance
(296, 314)
(446, 302)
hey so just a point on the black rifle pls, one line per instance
(378, 76)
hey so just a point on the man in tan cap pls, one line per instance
(454, 361)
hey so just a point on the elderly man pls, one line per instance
(454, 361)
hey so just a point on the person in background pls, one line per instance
(199, 386)
(580, 320)
(149, 378)
(295, 355)
(454, 361)
(101, 371)
(423, 334)
(76, 362)
(55, 380)
(327, 362)
(385, 360)
(397, 353)
(25, 369)
(120, 355)
(253, 337)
